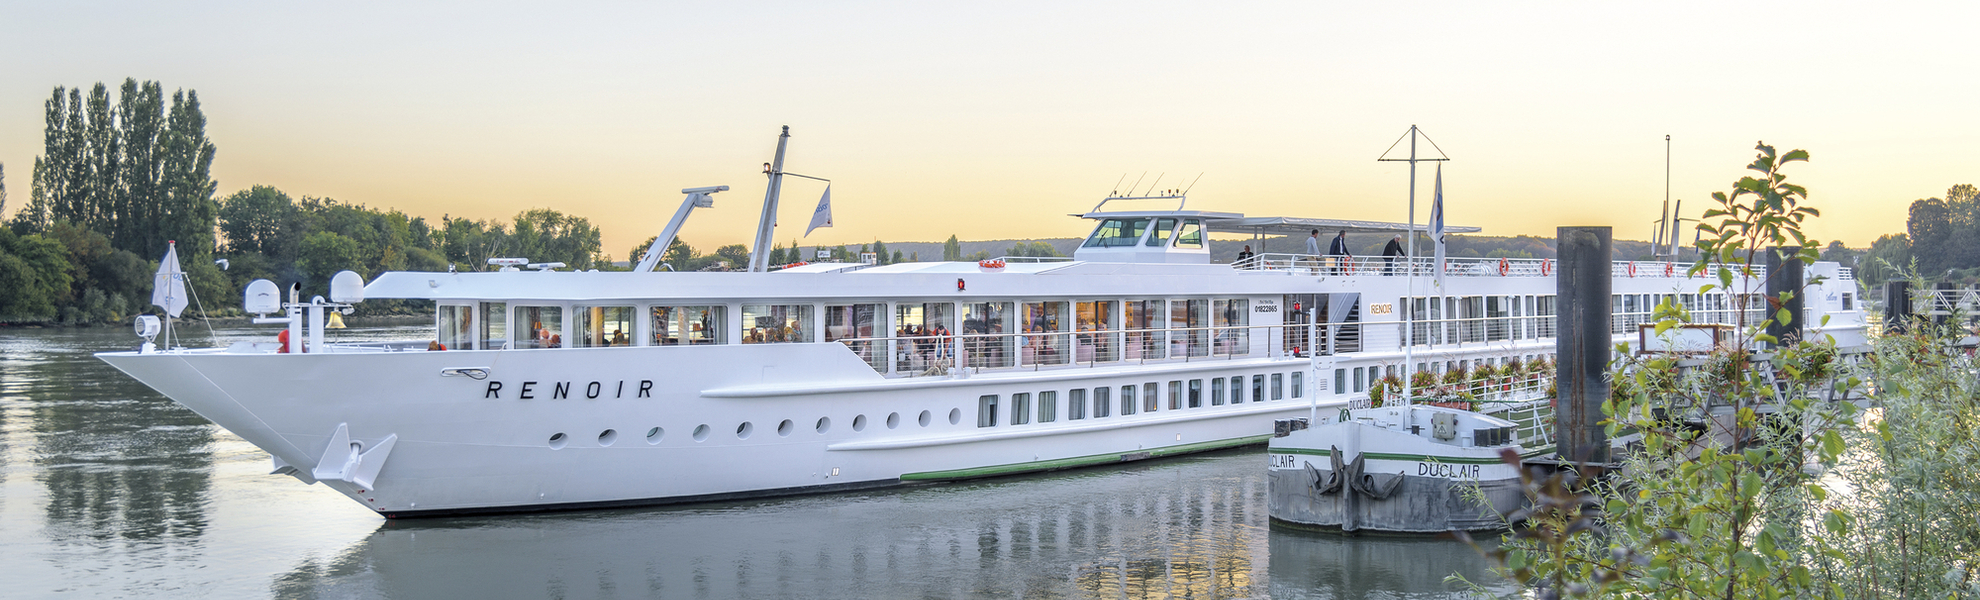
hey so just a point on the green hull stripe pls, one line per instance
(1452, 460)
(1082, 461)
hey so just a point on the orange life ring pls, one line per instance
(1546, 267)
(1504, 267)
(990, 264)
(1632, 268)
(1668, 269)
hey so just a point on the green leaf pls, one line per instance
(1750, 485)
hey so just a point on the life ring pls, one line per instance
(1504, 267)
(990, 264)
(1632, 268)
(1546, 267)
(1668, 269)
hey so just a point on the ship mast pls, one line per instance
(1409, 297)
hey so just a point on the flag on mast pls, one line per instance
(821, 216)
(1437, 223)
(168, 287)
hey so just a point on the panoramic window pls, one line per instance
(686, 325)
(1095, 347)
(927, 336)
(1144, 324)
(546, 327)
(599, 326)
(849, 323)
(1188, 320)
(777, 323)
(1234, 314)
(1045, 343)
(1116, 232)
(456, 327)
(494, 325)
(990, 325)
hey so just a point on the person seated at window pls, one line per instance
(556, 340)
(619, 339)
(433, 346)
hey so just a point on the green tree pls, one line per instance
(952, 249)
(34, 277)
(1887, 255)
(324, 253)
(254, 219)
(186, 184)
(737, 255)
(896, 259)
(880, 251)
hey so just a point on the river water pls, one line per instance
(110, 490)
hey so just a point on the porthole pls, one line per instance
(743, 430)
(859, 423)
(955, 416)
(893, 420)
(606, 437)
(824, 424)
(558, 440)
(925, 418)
(653, 435)
(784, 428)
(701, 432)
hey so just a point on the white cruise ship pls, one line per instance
(562, 389)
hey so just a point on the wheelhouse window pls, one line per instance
(1097, 316)
(1190, 235)
(777, 323)
(1233, 314)
(546, 327)
(687, 325)
(926, 338)
(494, 325)
(1164, 228)
(1114, 233)
(1045, 342)
(849, 324)
(456, 327)
(599, 326)
(988, 322)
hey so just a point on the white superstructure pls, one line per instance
(566, 389)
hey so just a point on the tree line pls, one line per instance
(118, 180)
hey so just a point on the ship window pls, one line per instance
(1359, 385)
(1096, 347)
(1044, 342)
(1101, 405)
(1020, 408)
(1116, 232)
(1235, 314)
(494, 325)
(848, 323)
(1297, 379)
(1150, 397)
(1195, 393)
(1848, 301)
(1144, 325)
(692, 325)
(1217, 392)
(1191, 234)
(955, 416)
(1175, 395)
(925, 418)
(1127, 400)
(1048, 407)
(558, 441)
(1257, 388)
(1237, 390)
(1160, 237)
(546, 327)
(1340, 381)
(603, 326)
(859, 423)
(995, 320)
(1075, 404)
(986, 411)
(456, 327)
(893, 420)
(920, 348)
(1278, 386)
(1188, 320)
(777, 323)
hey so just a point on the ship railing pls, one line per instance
(1453, 266)
(1034, 259)
(923, 355)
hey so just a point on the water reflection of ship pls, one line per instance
(1189, 529)
(1319, 565)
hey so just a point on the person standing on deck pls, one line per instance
(1313, 247)
(1337, 251)
(1389, 254)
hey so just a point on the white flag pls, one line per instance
(168, 287)
(1437, 223)
(822, 216)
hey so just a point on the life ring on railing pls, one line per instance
(796, 265)
(990, 264)
(1546, 267)
(1632, 268)
(1504, 267)
(1668, 269)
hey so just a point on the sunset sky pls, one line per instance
(994, 119)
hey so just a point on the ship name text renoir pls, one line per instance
(558, 390)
